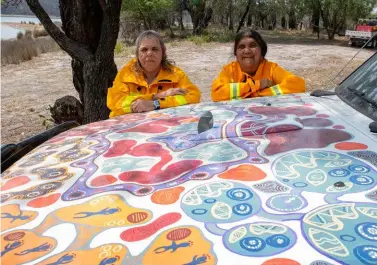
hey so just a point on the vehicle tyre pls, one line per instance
(374, 43)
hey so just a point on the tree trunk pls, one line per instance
(315, 17)
(292, 23)
(98, 77)
(272, 23)
(200, 16)
(283, 22)
(91, 30)
(180, 16)
(230, 10)
(249, 19)
(168, 22)
(242, 21)
(78, 78)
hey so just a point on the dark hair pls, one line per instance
(166, 64)
(250, 34)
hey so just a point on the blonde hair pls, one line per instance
(166, 64)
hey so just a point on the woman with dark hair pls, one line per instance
(252, 75)
(150, 81)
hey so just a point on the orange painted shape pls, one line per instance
(190, 120)
(280, 261)
(158, 115)
(44, 201)
(12, 216)
(104, 211)
(106, 254)
(350, 146)
(15, 182)
(24, 246)
(103, 180)
(244, 173)
(168, 196)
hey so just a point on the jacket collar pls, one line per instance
(258, 73)
(163, 76)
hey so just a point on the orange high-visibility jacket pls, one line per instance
(232, 83)
(130, 85)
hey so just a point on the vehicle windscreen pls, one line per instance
(359, 90)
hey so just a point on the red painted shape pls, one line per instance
(103, 180)
(15, 182)
(156, 176)
(120, 148)
(143, 232)
(280, 261)
(157, 126)
(137, 217)
(178, 234)
(149, 149)
(350, 146)
(339, 127)
(44, 201)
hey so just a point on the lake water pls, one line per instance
(8, 32)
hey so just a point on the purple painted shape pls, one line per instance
(316, 122)
(305, 138)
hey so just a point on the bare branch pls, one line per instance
(74, 49)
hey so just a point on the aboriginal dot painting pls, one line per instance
(275, 181)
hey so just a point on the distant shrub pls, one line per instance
(20, 35)
(39, 33)
(19, 50)
(28, 34)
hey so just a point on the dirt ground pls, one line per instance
(29, 88)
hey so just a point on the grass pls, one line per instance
(40, 33)
(25, 48)
(121, 49)
(213, 35)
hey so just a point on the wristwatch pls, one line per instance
(156, 104)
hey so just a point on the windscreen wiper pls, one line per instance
(322, 93)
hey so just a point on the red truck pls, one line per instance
(365, 29)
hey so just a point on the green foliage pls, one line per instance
(119, 47)
(221, 36)
(335, 13)
(150, 12)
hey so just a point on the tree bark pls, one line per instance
(180, 16)
(90, 33)
(242, 21)
(283, 22)
(200, 16)
(230, 12)
(316, 16)
(96, 76)
(292, 23)
(249, 19)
